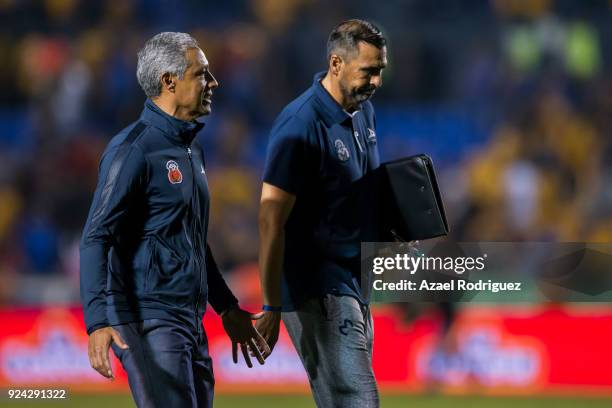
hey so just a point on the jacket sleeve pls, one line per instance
(121, 177)
(220, 296)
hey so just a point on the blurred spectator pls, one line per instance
(512, 99)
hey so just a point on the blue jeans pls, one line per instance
(167, 364)
(334, 338)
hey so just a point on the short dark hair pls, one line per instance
(345, 36)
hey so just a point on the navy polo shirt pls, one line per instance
(319, 152)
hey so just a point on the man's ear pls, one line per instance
(335, 64)
(168, 82)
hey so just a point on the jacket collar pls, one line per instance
(179, 131)
(331, 110)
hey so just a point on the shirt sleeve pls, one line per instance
(220, 296)
(121, 177)
(291, 156)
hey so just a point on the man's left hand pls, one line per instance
(238, 326)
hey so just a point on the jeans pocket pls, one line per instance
(128, 332)
(323, 307)
(331, 306)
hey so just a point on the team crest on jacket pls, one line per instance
(341, 150)
(174, 173)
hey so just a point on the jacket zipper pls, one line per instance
(195, 241)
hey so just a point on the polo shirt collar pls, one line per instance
(179, 131)
(331, 110)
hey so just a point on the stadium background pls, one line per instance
(511, 98)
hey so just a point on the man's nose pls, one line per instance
(376, 81)
(211, 81)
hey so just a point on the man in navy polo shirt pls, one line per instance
(321, 145)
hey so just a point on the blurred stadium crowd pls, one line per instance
(511, 98)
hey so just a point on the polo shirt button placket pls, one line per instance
(362, 159)
(356, 133)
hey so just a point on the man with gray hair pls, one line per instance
(147, 271)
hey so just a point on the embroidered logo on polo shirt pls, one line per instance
(371, 135)
(174, 173)
(341, 150)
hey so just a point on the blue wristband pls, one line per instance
(267, 308)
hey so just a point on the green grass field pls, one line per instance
(278, 401)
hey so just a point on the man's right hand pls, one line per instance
(99, 343)
(268, 326)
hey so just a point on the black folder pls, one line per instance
(411, 205)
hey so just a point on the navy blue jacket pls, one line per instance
(144, 252)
